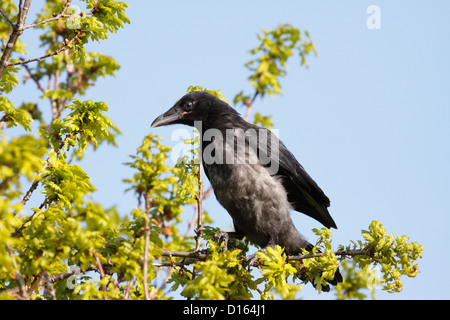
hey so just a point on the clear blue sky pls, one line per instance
(369, 120)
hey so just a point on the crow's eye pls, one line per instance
(189, 105)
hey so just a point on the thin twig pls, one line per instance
(99, 266)
(19, 231)
(36, 283)
(35, 79)
(61, 276)
(15, 34)
(64, 275)
(50, 287)
(249, 105)
(146, 246)
(7, 18)
(20, 7)
(203, 256)
(338, 253)
(184, 254)
(39, 177)
(192, 222)
(127, 290)
(198, 231)
(172, 264)
(57, 17)
(63, 48)
(30, 191)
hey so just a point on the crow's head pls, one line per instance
(194, 106)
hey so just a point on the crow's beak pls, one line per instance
(166, 118)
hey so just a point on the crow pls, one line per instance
(253, 175)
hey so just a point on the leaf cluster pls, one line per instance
(104, 17)
(270, 64)
(85, 125)
(14, 116)
(221, 276)
(394, 254)
(158, 184)
(275, 48)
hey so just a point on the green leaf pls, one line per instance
(9, 80)
(13, 116)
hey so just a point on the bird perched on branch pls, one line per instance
(253, 175)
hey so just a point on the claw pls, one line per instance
(251, 259)
(223, 236)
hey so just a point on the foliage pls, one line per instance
(276, 47)
(264, 121)
(13, 116)
(85, 125)
(57, 242)
(275, 271)
(395, 255)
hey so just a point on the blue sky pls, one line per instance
(369, 120)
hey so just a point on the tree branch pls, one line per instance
(192, 222)
(50, 287)
(50, 279)
(63, 48)
(172, 264)
(35, 79)
(146, 246)
(199, 197)
(99, 267)
(19, 231)
(249, 105)
(190, 258)
(17, 31)
(338, 253)
(7, 18)
(57, 17)
(30, 191)
(194, 256)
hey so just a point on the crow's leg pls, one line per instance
(251, 259)
(223, 236)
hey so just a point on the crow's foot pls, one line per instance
(251, 259)
(224, 237)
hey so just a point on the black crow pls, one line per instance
(253, 175)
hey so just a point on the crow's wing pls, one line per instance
(303, 192)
